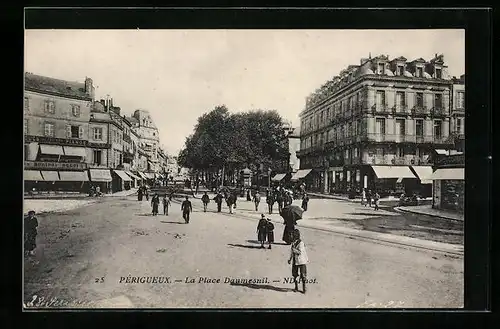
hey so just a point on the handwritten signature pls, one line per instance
(41, 301)
(390, 304)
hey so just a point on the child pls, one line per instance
(30, 233)
(298, 258)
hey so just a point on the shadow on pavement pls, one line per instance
(243, 246)
(373, 214)
(147, 215)
(258, 286)
(274, 243)
(162, 221)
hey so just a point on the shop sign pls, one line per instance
(54, 165)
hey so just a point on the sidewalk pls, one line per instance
(132, 191)
(429, 211)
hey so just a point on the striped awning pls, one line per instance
(50, 176)
(123, 175)
(132, 175)
(142, 175)
(74, 176)
(32, 175)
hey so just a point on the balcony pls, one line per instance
(438, 112)
(419, 110)
(400, 110)
(380, 109)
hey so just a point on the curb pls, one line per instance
(361, 236)
(426, 214)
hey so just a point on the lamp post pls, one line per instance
(269, 177)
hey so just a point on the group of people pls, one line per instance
(367, 198)
(283, 198)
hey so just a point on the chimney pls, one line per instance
(89, 88)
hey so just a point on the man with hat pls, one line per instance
(30, 233)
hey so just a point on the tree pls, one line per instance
(235, 141)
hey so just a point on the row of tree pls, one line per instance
(255, 139)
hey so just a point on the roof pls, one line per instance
(49, 85)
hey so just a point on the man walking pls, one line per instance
(218, 200)
(166, 204)
(205, 199)
(186, 209)
(256, 200)
(231, 201)
(270, 202)
(305, 201)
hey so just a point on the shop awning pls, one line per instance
(50, 176)
(141, 174)
(441, 152)
(424, 173)
(301, 174)
(159, 176)
(75, 151)
(123, 175)
(278, 177)
(393, 172)
(149, 175)
(100, 175)
(449, 174)
(51, 149)
(133, 176)
(32, 175)
(74, 176)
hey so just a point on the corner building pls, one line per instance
(375, 125)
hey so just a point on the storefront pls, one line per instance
(120, 181)
(50, 180)
(277, 179)
(136, 180)
(101, 178)
(75, 181)
(391, 180)
(424, 174)
(304, 176)
(448, 189)
(32, 179)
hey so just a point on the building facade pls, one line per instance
(149, 138)
(367, 126)
(457, 120)
(56, 133)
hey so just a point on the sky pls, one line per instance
(177, 75)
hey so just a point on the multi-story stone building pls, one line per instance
(375, 125)
(291, 165)
(457, 121)
(56, 132)
(143, 125)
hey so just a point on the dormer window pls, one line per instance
(439, 74)
(381, 68)
(419, 72)
(400, 70)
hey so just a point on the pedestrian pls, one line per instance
(235, 198)
(256, 200)
(218, 200)
(279, 201)
(249, 198)
(262, 230)
(298, 258)
(363, 197)
(30, 233)
(289, 198)
(146, 192)
(155, 202)
(270, 232)
(305, 201)
(186, 209)
(166, 204)
(98, 191)
(205, 199)
(270, 202)
(376, 198)
(231, 202)
(139, 194)
(369, 198)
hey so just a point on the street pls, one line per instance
(89, 257)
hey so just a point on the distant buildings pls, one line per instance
(375, 125)
(72, 141)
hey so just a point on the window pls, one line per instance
(439, 74)
(380, 99)
(26, 104)
(401, 152)
(97, 157)
(400, 99)
(380, 126)
(75, 110)
(381, 67)
(74, 132)
(48, 129)
(438, 101)
(356, 152)
(50, 107)
(419, 127)
(419, 72)
(419, 100)
(460, 100)
(400, 127)
(459, 126)
(26, 126)
(98, 134)
(401, 70)
(437, 129)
